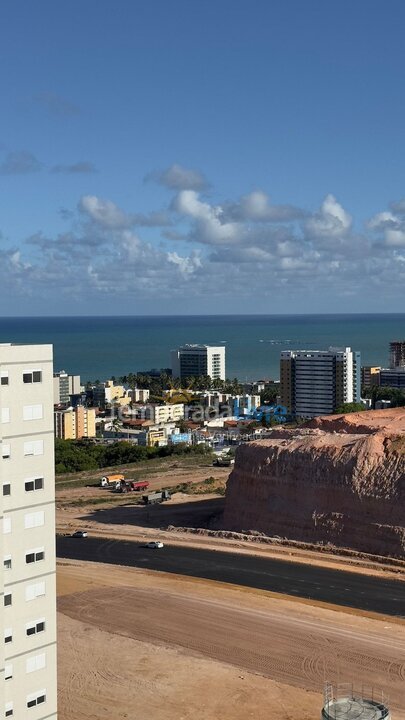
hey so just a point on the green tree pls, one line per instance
(350, 408)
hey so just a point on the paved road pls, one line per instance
(316, 583)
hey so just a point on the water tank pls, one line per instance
(343, 702)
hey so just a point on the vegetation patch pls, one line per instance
(78, 455)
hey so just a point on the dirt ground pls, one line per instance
(134, 643)
(171, 475)
(153, 645)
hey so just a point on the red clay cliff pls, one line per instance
(338, 479)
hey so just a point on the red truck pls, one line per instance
(139, 485)
(125, 486)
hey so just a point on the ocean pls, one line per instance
(99, 347)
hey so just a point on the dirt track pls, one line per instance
(298, 646)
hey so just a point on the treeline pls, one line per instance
(376, 392)
(158, 384)
(77, 455)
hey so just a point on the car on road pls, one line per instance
(80, 534)
(154, 545)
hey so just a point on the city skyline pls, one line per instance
(247, 158)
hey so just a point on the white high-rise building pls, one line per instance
(317, 382)
(28, 609)
(197, 360)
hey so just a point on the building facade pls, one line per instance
(139, 395)
(64, 386)
(28, 609)
(370, 375)
(75, 423)
(394, 378)
(397, 354)
(161, 414)
(316, 382)
(198, 360)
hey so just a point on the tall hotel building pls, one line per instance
(197, 360)
(316, 382)
(28, 607)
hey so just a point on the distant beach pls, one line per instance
(98, 347)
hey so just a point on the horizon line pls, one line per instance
(201, 315)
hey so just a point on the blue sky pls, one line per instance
(173, 156)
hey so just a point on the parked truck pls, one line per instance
(139, 485)
(223, 462)
(156, 497)
(110, 480)
(131, 486)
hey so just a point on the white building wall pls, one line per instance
(210, 355)
(216, 362)
(166, 413)
(28, 533)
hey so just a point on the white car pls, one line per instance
(154, 545)
(80, 534)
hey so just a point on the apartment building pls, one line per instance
(316, 382)
(370, 375)
(139, 395)
(65, 385)
(75, 423)
(28, 607)
(161, 414)
(196, 360)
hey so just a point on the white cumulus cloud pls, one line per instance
(330, 222)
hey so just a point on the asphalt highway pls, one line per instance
(338, 587)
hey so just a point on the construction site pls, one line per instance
(172, 644)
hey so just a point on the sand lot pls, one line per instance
(149, 645)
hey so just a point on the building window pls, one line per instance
(7, 562)
(7, 489)
(8, 600)
(34, 484)
(6, 525)
(32, 412)
(36, 519)
(35, 376)
(8, 709)
(36, 699)
(8, 672)
(8, 635)
(33, 447)
(37, 662)
(35, 627)
(34, 591)
(4, 377)
(5, 415)
(5, 451)
(35, 555)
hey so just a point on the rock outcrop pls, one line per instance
(338, 479)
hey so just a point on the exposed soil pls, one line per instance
(148, 645)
